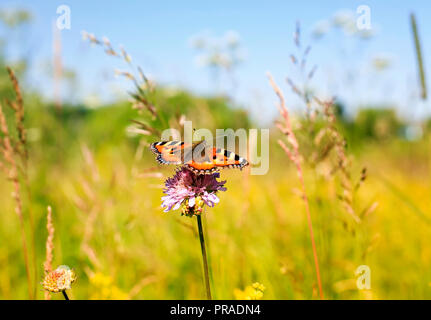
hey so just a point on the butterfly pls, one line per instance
(198, 157)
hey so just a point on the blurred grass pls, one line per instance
(111, 230)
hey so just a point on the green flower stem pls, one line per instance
(65, 295)
(204, 257)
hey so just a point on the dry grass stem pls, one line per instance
(294, 155)
(49, 247)
(13, 175)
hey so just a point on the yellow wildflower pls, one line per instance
(100, 280)
(105, 289)
(253, 292)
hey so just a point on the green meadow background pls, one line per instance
(105, 189)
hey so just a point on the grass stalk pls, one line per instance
(419, 56)
(9, 157)
(22, 153)
(295, 156)
(49, 247)
(309, 221)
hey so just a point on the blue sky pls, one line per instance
(157, 35)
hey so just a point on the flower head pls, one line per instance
(105, 289)
(253, 292)
(191, 191)
(59, 279)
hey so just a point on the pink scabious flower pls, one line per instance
(191, 191)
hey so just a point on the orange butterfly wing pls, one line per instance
(169, 152)
(220, 159)
(173, 152)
